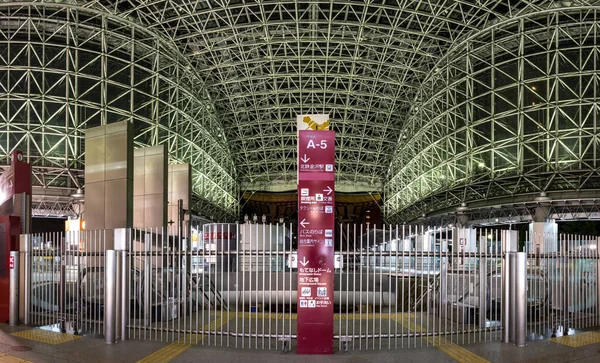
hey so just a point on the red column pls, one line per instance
(316, 218)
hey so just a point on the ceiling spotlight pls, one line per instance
(78, 194)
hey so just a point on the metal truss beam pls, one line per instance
(509, 113)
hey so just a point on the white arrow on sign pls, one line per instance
(304, 262)
(304, 222)
(328, 190)
(305, 159)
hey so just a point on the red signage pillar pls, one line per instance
(316, 175)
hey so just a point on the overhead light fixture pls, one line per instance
(78, 194)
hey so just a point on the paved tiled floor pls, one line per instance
(21, 347)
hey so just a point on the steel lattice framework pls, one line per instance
(267, 61)
(509, 114)
(65, 68)
(436, 103)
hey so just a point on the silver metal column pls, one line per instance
(506, 298)
(118, 291)
(510, 301)
(62, 288)
(483, 289)
(13, 308)
(443, 282)
(520, 307)
(110, 296)
(124, 294)
(25, 244)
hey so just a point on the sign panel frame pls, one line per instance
(316, 224)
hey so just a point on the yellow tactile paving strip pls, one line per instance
(455, 352)
(578, 340)
(5, 358)
(174, 349)
(292, 316)
(46, 336)
(166, 354)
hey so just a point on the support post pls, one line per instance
(124, 294)
(13, 308)
(25, 245)
(122, 241)
(110, 296)
(506, 298)
(520, 306)
(512, 295)
(483, 287)
(62, 288)
(118, 280)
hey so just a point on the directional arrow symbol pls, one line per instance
(304, 222)
(328, 190)
(304, 262)
(305, 159)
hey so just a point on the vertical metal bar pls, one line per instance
(118, 297)
(125, 278)
(372, 271)
(443, 299)
(402, 291)
(597, 277)
(110, 296)
(513, 295)
(360, 282)
(340, 292)
(13, 306)
(237, 282)
(506, 284)
(378, 296)
(360, 256)
(397, 272)
(483, 288)
(565, 285)
(390, 275)
(291, 288)
(520, 297)
(27, 277)
(421, 292)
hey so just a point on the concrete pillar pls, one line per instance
(150, 187)
(543, 237)
(179, 188)
(464, 240)
(109, 178)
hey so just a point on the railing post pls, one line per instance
(520, 306)
(513, 295)
(124, 294)
(62, 288)
(13, 308)
(25, 244)
(509, 245)
(122, 239)
(110, 296)
(483, 287)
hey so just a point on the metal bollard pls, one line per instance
(26, 247)
(512, 295)
(110, 296)
(124, 294)
(13, 308)
(520, 298)
(483, 292)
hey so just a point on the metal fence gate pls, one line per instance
(62, 293)
(234, 285)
